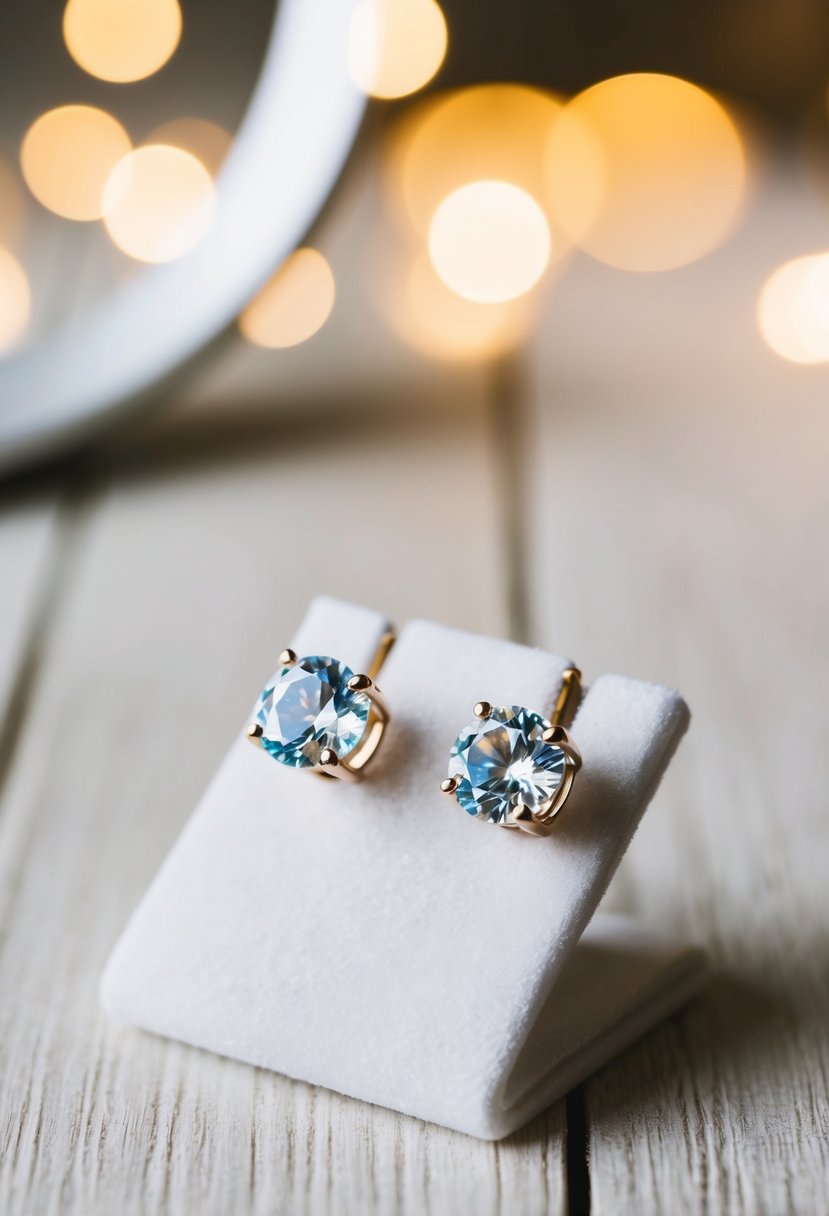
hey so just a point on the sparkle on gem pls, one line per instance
(502, 761)
(309, 707)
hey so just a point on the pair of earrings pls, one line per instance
(510, 766)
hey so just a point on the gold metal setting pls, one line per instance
(540, 822)
(352, 767)
(567, 701)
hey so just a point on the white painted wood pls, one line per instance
(27, 552)
(194, 559)
(685, 502)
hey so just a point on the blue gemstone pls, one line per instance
(309, 707)
(503, 761)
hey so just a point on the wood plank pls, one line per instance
(28, 539)
(196, 556)
(685, 467)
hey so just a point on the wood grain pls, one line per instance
(193, 561)
(28, 539)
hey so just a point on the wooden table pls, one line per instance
(646, 488)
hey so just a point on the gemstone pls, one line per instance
(308, 707)
(502, 761)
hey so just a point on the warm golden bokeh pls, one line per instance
(793, 310)
(495, 132)
(15, 301)
(438, 323)
(647, 172)
(12, 206)
(294, 305)
(395, 46)
(205, 139)
(158, 203)
(489, 242)
(121, 40)
(67, 156)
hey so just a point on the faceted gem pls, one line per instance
(309, 707)
(502, 760)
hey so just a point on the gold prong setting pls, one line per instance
(294, 724)
(330, 765)
(512, 767)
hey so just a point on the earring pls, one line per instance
(514, 768)
(315, 713)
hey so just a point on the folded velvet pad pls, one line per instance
(377, 940)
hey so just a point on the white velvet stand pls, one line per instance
(376, 940)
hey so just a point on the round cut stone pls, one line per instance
(308, 707)
(502, 761)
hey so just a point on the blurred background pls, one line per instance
(507, 143)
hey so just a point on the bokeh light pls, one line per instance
(793, 310)
(203, 138)
(12, 206)
(15, 301)
(158, 203)
(395, 46)
(489, 242)
(647, 172)
(121, 40)
(493, 132)
(437, 322)
(294, 305)
(67, 156)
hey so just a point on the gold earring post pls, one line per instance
(568, 698)
(386, 642)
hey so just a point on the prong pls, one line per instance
(482, 709)
(360, 683)
(330, 765)
(449, 786)
(365, 684)
(254, 732)
(523, 817)
(287, 658)
(574, 755)
(379, 704)
(555, 734)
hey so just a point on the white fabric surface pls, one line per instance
(376, 940)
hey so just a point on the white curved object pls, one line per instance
(299, 127)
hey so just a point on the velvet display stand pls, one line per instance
(374, 938)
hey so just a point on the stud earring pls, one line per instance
(315, 713)
(512, 767)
